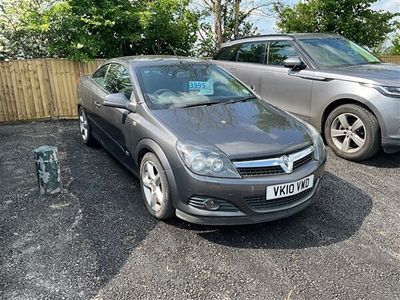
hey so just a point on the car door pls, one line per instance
(286, 88)
(249, 64)
(113, 120)
(96, 86)
(246, 62)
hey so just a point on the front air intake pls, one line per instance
(212, 204)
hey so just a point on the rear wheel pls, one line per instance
(155, 188)
(352, 132)
(84, 127)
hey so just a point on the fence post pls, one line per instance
(52, 107)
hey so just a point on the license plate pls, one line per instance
(289, 189)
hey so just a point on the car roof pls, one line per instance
(291, 36)
(154, 60)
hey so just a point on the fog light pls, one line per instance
(211, 204)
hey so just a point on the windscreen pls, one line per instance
(335, 52)
(181, 85)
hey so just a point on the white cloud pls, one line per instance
(388, 5)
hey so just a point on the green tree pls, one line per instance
(229, 21)
(167, 24)
(19, 37)
(395, 49)
(353, 19)
(86, 29)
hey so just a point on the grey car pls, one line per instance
(347, 93)
(203, 145)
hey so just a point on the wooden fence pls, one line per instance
(40, 88)
(394, 59)
(46, 88)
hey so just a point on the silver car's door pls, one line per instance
(228, 55)
(288, 89)
(249, 64)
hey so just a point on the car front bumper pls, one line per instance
(242, 199)
(387, 110)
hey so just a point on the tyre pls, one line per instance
(84, 127)
(155, 187)
(352, 132)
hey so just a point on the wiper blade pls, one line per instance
(371, 63)
(241, 99)
(202, 104)
(219, 102)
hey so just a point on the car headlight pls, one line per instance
(318, 142)
(205, 160)
(390, 91)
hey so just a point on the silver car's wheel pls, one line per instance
(348, 132)
(352, 132)
(152, 187)
(155, 187)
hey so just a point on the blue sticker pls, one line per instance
(203, 87)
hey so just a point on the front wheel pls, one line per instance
(155, 188)
(352, 132)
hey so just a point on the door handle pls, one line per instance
(97, 103)
(306, 76)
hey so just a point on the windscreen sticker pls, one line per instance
(204, 87)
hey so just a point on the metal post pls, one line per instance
(48, 169)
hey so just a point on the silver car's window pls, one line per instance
(280, 50)
(334, 52)
(118, 81)
(100, 76)
(229, 53)
(180, 85)
(251, 52)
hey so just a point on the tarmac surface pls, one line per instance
(96, 240)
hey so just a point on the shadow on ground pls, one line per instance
(338, 214)
(383, 160)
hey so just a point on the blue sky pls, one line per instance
(266, 25)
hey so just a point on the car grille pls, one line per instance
(261, 203)
(302, 161)
(273, 166)
(261, 171)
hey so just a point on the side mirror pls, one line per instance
(294, 62)
(119, 100)
(132, 107)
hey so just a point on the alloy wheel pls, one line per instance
(152, 186)
(83, 124)
(348, 132)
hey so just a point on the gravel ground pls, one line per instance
(95, 240)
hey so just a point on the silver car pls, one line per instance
(343, 90)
